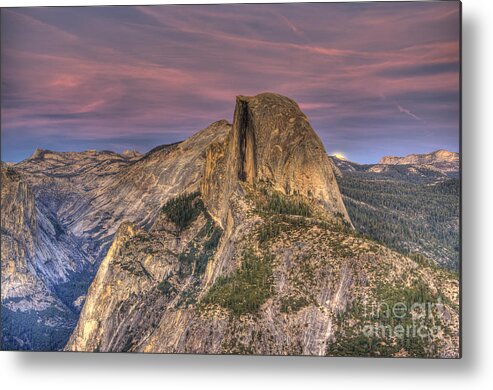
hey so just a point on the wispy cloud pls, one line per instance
(407, 112)
(98, 76)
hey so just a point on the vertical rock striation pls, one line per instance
(271, 142)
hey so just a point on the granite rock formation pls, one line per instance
(257, 255)
(441, 160)
(68, 206)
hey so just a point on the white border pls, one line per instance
(475, 371)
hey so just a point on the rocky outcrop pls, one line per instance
(271, 142)
(19, 224)
(276, 284)
(39, 244)
(142, 273)
(131, 153)
(441, 160)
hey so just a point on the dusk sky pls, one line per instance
(374, 79)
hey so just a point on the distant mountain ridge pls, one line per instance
(441, 159)
(438, 156)
(429, 167)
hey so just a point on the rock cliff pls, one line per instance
(37, 255)
(271, 143)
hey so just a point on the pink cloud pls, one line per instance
(95, 74)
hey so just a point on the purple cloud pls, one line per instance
(135, 77)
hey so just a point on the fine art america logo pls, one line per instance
(402, 320)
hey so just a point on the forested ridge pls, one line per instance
(413, 218)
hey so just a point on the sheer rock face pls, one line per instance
(271, 142)
(33, 242)
(126, 300)
(107, 279)
(37, 254)
(18, 221)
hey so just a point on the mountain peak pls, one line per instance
(271, 141)
(443, 153)
(38, 153)
(272, 107)
(438, 156)
(130, 153)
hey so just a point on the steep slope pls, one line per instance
(37, 255)
(79, 200)
(262, 260)
(65, 183)
(136, 192)
(93, 192)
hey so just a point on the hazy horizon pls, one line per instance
(374, 79)
(119, 151)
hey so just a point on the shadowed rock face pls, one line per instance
(272, 142)
(37, 254)
(33, 240)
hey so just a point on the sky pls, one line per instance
(374, 79)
